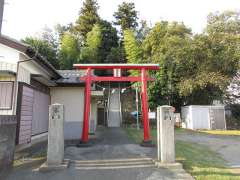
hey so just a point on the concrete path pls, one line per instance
(227, 146)
(112, 157)
(114, 118)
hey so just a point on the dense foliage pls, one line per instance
(194, 68)
(88, 17)
(45, 48)
(126, 16)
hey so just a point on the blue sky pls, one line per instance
(28, 17)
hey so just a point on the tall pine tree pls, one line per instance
(88, 17)
(126, 16)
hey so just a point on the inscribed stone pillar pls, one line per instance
(165, 128)
(55, 153)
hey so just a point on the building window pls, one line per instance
(6, 95)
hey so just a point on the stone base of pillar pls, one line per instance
(169, 165)
(147, 143)
(84, 144)
(48, 167)
(175, 167)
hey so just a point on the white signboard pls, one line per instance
(152, 115)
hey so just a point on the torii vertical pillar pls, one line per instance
(87, 101)
(146, 137)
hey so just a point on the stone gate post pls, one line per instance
(165, 140)
(55, 151)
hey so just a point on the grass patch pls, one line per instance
(198, 160)
(223, 132)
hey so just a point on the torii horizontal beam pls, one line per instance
(116, 79)
(118, 66)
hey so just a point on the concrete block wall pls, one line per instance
(7, 143)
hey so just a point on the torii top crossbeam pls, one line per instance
(118, 66)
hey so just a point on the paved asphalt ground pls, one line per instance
(111, 157)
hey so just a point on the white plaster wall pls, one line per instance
(28, 68)
(73, 100)
(9, 55)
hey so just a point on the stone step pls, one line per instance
(113, 167)
(184, 176)
(113, 160)
(113, 163)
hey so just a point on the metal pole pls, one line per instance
(120, 103)
(145, 107)
(87, 107)
(137, 109)
(1, 14)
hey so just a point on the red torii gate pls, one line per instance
(88, 78)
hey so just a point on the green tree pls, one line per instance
(193, 69)
(69, 51)
(168, 44)
(45, 48)
(114, 56)
(101, 44)
(132, 47)
(143, 31)
(91, 53)
(208, 78)
(224, 22)
(88, 17)
(109, 41)
(126, 16)
(216, 55)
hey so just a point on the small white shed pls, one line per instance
(203, 117)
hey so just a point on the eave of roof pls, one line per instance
(70, 78)
(26, 49)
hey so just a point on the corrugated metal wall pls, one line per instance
(200, 117)
(204, 117)
(26, 115)
(40, 112)
(32, 113)
(217, 118)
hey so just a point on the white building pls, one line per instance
(203, 117)
(29, 84)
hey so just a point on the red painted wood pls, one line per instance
(116, 66)
(145, 105)
(87, 107)
(143, 79)
(116, 79)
